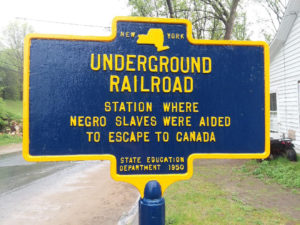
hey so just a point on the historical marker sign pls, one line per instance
(149, 98)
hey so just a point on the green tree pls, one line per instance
(11, 59)
(211, 19)
(275, 10)
(240, 31)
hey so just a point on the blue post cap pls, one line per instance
(152, 190)
(152, 206)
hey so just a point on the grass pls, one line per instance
(14, 107)
(280, 171)
(6, 139)
(199, 202)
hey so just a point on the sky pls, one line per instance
(95, 13)
(87, 17)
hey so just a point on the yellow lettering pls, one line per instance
(166, 82)
(111, 137)
(73, 121)
(206, 62)
(195, 64)
(118, 121)
(89, 136)
(80, 121)
(107, 62)
(154, 68)
(143, 89)
(114, 83)
(119, 59)
(177, 85)
(174, 64)
(126, 85)
(141, 61)
(166, 106)
(188, 84)
(212, 137)
(227, 121)
(179, 137)
(163, 62)
(93, 64)
(87, 121)
(95, 121)
(107, 107)
(187, 69)
(155, 82)
(129, 62)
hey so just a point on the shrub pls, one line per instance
(6, 118)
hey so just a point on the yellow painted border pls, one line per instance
(139, 181)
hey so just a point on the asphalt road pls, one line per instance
(76, 193)
(15, 172)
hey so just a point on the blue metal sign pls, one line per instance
(150, 98)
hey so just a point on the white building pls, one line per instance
(285, 75)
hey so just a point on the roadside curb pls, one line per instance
(131, 217)
(6, 149)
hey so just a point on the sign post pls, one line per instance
(149, 98)
(152, 206)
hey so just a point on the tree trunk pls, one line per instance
(170, 7)
(230, 21)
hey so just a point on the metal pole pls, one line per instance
(152, 206)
